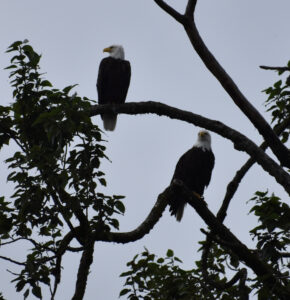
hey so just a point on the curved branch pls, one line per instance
(144, 228)
(240, 141)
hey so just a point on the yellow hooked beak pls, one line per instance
(108, 49)
(202, 133)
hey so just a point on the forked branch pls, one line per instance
(281, 152)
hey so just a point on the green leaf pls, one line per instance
(36, 291)
(45, 83)
(14, 46)
(160, 260)
(20, 285)
(169, 253)
(26, 294)
(120, 206)
(67, 89)
(124, 292)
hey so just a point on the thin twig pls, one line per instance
(279, 69)
(12, 260)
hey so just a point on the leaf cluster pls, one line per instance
(272, 236)
(278, 101)
(152, 277)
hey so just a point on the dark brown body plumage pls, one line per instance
(112, 85)
(194, 169)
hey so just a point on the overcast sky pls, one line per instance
(71, 34)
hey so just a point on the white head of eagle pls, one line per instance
(113, 82)
(194, 169)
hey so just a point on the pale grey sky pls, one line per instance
(71, 34)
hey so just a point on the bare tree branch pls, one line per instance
(281, 152)
(241, 142)
(171, 11)
(84, 268)
(12, 260)
(190, 7)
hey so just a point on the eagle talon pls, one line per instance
(198, 195)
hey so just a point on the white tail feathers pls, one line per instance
(110, 121)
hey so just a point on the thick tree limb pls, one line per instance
(144, 228)
(281, 152)
(190, 7)
(240, 141)
(84, 268)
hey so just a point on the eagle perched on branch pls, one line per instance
(113, 82)
(194, 169)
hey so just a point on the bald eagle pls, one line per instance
(194, 169)
(113, 82)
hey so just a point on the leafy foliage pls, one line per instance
(272, 236)
(150, 277)
(55, 170)
(278, 102)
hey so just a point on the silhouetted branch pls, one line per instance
(241, 142)
(234, 184)
(190, 7)
(171, 11)
(281, 152)
(144, 228)
(283, 69)
(231, 189)
(284, 254)
(12, 260)
(84, 268)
